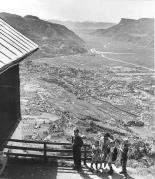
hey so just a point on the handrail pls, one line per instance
(41, 142)
(41, 156)
(37, 142)
(40, 149)
(43, 149)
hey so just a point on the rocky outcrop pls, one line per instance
(140, 32)
(53, 39)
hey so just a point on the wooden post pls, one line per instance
(85, 155)
(44, 151)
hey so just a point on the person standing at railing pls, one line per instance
(77, 143)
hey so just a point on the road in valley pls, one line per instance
(94, 51)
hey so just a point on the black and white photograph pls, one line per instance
(77, 89)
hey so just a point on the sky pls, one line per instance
(81, 10)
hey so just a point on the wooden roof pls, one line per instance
(14, 46)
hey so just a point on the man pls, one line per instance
(77, 144)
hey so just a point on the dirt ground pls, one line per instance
(37, 169)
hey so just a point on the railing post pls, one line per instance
(44, 150)
(85, 155)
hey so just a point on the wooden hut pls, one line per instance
(14, 47)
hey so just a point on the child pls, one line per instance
(96, 155)
(105, 148)
(124, 157)
(77, 144)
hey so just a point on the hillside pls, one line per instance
(140, 32)
(53, 39)
(84, 25)
(110, 91)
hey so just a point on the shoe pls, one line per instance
(110, 172)
(121, 173)
(79, 169)
(125, 176)
(95, 171)
(75, 168)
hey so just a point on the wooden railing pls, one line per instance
(17, 148)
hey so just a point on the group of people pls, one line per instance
(106, 150)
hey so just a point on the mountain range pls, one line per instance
(53, 39)
(140, 32)
(74, 25)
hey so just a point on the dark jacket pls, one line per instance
(77, 142)
(114, 154)
(125, 152)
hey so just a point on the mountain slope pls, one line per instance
(53, 39)
(139, 31)
(84, 25)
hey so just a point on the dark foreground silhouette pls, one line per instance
(40, 169)
(30, 169)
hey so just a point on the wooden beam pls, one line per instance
(42, 156)
(40, 142)
(41, 149)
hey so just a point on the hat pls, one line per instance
(76, 129)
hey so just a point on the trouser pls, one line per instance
(123, 164)
(104, 159)
(111, 169)
(77, 157)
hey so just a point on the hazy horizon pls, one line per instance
(81, 10)
(85, 21)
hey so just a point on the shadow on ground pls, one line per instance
(30, 169)
(102, 175)
(39, 169)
